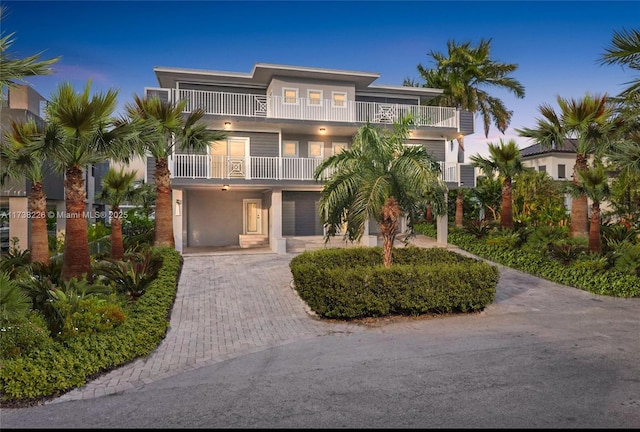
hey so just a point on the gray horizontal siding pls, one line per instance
(436, 148)
(224, 89)
(467, 176)
(262, 143)
(300, 214)
(386, 99)
(466, 122)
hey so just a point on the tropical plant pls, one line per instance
(463, 73)
(479, 228)
(588, 121)
(567, 250)
(117, 187)
(15, 259)
(542, 236)
(504, 159)
(594, 183)
(169, 130)
(144, 199)
(16, 69)
(625, 50)
(379, 178)
(488, 192)
(19, 161)
(538, 199)
(82, 132)
(14, 305)
(628, 259)
(131, 276)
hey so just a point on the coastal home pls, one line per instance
(256, 188)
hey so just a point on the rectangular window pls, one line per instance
(562, 171)
(290, 95)
(316, 149)
(338, 147)
(290, 148)
(339, 99)
(542, 168)
(314, 97)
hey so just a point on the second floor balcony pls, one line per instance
(214, 167)
(278, 107)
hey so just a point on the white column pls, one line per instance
(178, 216)
(277, 242)
(61, 221)
(442, 226)
(367, 239)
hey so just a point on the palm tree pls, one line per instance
(594, 183)
(504, 159)
(625, 50)
(172, 130)
(15, 69)
(379, 178)
(463, 74)
(589, 121)
(117, 187)
(18, 161)
(82, 132)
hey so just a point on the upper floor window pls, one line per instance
(339, 99)
(542, 168)
(316, 149)
(290, 148)
(290, 95)
(338, 147)
(562, 171)
(314, 97)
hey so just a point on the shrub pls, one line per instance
(59, 367)
(538, 241)
(14, 304)
(351, 283)
(131, 276)
(628, 259)
(22, 336)
(567, 250)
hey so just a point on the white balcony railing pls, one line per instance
(196, 166)
(254, 105)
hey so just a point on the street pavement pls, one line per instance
(243, 350)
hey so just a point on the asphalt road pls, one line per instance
(542, 356)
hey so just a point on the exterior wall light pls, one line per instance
(225, 188)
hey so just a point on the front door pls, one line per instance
(252, 211)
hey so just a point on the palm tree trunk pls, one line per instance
(459, 208)
(164, 217)
(429, 216)
(579, 206)
(117, 248)
(39, 244)
(595, 244)
(388, 228)
(76, 260)
(506, 214)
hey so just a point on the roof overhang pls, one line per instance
(260, 76)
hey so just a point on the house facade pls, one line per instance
(256, 188)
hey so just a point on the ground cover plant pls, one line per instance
(58, 334)
(352, 283)
(550, 253)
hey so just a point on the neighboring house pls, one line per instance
(257, 187)
(23, 103)
(557, 161)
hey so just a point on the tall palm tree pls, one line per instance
(504, 159)
(117, 187)
(16, 69)
(590, 122)
(19, 161)
(82, 132)
(379, 178)
(172, 130)
(464, 73)
(594, 183)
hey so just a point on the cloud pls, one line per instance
(77, 72)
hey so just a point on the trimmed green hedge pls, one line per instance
(352, 283)
(59, 367)
(610, 282)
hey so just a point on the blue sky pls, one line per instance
(116, 44)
